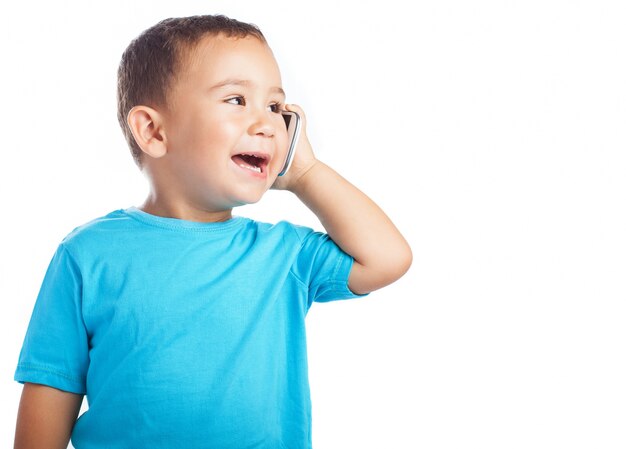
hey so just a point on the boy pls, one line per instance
(184, 324)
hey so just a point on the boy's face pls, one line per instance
(224, 109)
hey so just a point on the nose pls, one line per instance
(263, 124)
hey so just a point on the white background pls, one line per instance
(491, 132)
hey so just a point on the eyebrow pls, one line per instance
(244, 83)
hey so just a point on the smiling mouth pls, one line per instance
(255, 162)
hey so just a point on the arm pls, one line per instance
(354, 222)
(46, 417)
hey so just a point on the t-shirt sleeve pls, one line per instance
(55, 349)
(324, 267)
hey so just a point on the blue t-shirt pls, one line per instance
(183, 334)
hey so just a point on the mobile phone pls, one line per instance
(292, 122)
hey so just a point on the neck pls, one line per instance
(183, 211)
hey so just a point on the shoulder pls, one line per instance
(106, 223)
(97, 231)
(283, 228)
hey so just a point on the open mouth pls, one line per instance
(255, 162)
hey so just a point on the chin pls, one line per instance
(255, 200)
(247, 195)
(250, 199)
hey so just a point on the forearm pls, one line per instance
(357, 225)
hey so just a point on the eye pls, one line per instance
(238, 100)
(275, 107)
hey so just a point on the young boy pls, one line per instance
(184, 324)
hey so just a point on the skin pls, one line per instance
(188, 150)
(45, 417)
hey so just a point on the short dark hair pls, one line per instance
(153, 60)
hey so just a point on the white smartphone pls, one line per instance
(292, 121)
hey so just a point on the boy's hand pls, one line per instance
(354, 222)
(303, 159)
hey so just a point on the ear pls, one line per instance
(146, 124)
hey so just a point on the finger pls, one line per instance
(297, 109)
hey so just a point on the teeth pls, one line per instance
(256, 169)
(253, 155)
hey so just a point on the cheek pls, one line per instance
(227, 130)
(193, 130)
(280, 151)
(211, 142)
(223, 130)
(282, 142)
